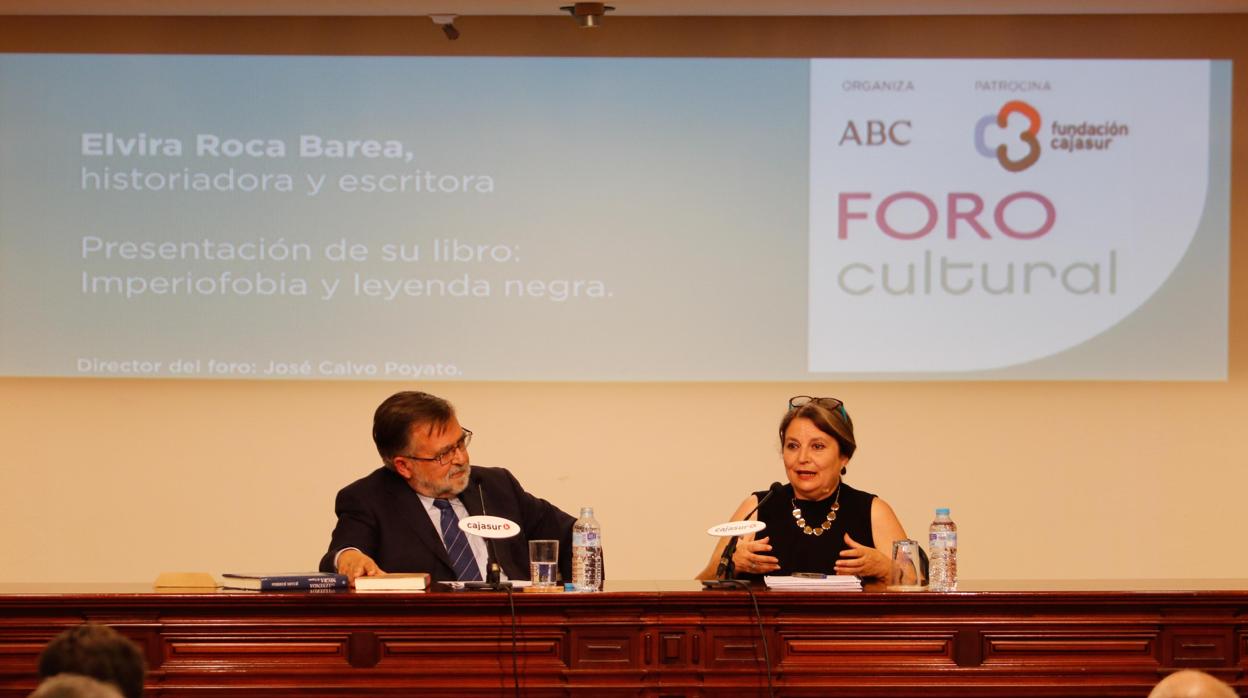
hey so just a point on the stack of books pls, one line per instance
(831, 582)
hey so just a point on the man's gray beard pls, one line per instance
(452, 486)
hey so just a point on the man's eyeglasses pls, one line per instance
(829, 402)
(444, 456)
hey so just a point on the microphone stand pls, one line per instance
(726, 569)
(493, 574)
(493, 571)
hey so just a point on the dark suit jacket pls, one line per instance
(382, 516)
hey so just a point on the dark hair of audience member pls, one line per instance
(99, 652)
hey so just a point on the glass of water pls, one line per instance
(544, 563)
(907, 568)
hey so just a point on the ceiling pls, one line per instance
(640, 8)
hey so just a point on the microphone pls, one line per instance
(725, 569)
(493, 572)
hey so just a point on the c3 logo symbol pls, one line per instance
(1028, 136)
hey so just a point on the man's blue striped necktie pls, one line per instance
(462, 559)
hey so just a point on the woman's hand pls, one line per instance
(862, 561)
(749, 557)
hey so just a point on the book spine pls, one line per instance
(335, 581)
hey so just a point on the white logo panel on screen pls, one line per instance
(969, 214)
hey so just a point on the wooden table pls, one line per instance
(1069, 639)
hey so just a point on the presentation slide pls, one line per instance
(632, 219)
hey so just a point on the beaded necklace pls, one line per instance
(817, 530)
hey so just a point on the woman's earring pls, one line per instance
(844, 470)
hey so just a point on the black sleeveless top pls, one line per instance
(799, 552)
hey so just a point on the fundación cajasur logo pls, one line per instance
(1070, 138)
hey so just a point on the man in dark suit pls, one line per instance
(403, 516)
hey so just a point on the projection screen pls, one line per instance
(594, 219)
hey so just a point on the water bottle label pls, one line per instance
(585, 538)
(943, 540)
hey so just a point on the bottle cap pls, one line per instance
(942, 511)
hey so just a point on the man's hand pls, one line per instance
(354, 563)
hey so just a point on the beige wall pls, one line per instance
(117, 480)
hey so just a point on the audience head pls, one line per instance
(1190, 683)
(75, 686)
(96, 651)
(394, 419)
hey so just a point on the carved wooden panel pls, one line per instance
(604, 649)
(865, 648)
(1072, 646)
(735, 649)
(650, 643)
(1188, 646)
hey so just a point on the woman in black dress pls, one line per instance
(817, 522)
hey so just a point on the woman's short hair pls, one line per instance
(830, 417)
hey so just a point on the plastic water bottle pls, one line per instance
(942, 545)
(587, 552)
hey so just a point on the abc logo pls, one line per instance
(876, 132)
